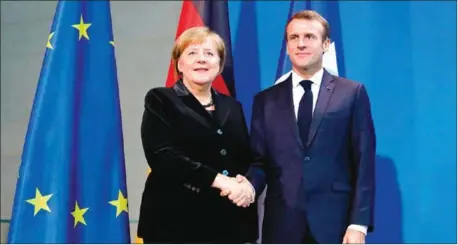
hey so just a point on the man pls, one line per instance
(316, 134)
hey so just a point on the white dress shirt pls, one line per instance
(298, 92)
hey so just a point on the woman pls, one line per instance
(195, 140)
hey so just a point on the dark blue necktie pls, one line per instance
(304, 116)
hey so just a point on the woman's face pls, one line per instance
(199, 63)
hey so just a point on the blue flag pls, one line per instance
(333, 58)
(72, 183)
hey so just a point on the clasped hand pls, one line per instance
(238, 190)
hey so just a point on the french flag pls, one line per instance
(215, 15)
(333, 59)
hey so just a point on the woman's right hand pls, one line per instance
(222, 182)
(240, 193)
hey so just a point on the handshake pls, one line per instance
(238, 189)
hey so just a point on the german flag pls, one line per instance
(215, 15)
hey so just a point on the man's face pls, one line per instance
(305, 45)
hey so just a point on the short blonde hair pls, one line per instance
(310, 15)
(197, 35)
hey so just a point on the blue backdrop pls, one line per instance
(405, 54)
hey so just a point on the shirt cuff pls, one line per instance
(360, 228)
(254, 192)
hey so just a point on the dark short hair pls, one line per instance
(310, 15)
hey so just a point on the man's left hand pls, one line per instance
(354, 237)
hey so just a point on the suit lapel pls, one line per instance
(324, 95)
(285, 99)
(222, 107)
(195, 109)
(198, 111)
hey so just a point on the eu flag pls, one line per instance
(72, 184)
(333, 58)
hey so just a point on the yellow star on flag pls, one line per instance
(112, 43)
(78, 215)
(49, 45)
(120, 204)
(82, 28)
(138, 240)
(40, 202)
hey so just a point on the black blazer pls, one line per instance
(186, 147)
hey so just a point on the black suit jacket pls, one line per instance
(186, 147)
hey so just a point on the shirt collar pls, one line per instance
(316, 78)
